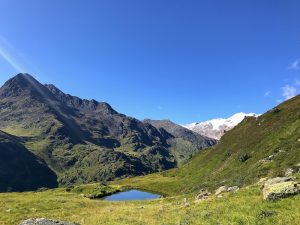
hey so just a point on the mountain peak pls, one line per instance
(20, 84)
(216, 128)
(21, 79)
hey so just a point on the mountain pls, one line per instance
(258, 147)
(83, 140)
(185, 143)
(21, 170)
(216, 128)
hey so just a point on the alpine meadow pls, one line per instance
(149, 112)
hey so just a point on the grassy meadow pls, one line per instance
(243, 207)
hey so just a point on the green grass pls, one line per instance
(244, 207)
(94, 191)
(276, 133)
(18, 130)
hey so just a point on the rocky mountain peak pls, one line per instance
(216, 128)
(22, 84)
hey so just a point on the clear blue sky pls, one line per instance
(179, 59)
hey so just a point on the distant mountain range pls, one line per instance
(184, 142)
(216, 128)
(81, 141)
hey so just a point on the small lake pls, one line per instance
(131, 195)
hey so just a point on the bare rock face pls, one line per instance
(43, 221)
(280, 187)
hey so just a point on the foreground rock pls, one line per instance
(43, 221)
(280, 187)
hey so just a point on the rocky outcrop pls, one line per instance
(223, 189)
(204, 194)
(43, 221)
(280, 187)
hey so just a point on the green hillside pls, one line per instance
(258, 147)
(85, 141)
(20, 170)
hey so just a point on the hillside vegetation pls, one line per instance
(258, 147)
(85, 141)
(21, 170)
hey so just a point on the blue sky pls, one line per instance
(179, 59)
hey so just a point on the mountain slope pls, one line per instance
(258, 147)
(81, 140)
(216, 128)
(185, 143)
(20, 170)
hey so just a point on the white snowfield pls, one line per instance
(216, 128)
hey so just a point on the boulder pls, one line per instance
(226, 189)
(203, 195)
(43, 221)
(221, 190)
(275, 180)
(289, 172)
(234, 188)
(280, 187)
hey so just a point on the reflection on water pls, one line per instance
(131, 195)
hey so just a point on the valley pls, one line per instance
(86, 141)
(67, 154)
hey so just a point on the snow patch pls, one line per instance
(216, 128)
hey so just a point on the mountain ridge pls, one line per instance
(83, 140)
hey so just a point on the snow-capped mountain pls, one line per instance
(217, 127)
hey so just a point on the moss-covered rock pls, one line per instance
(278, 187)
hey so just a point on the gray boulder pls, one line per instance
(43, 221)
(276, 180)
(221, 190)
(280, 187)
(234, 188)
(226, 189)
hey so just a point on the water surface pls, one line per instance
(132, 195)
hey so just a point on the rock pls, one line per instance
(226, 189)
(234, 188)
(267, 159)
(42, 221)
(203, 195)
(221, 190)
(187, 204)
(264, 214)
(262, 181)
(289, 172)
(275, 180)
(280, 187)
